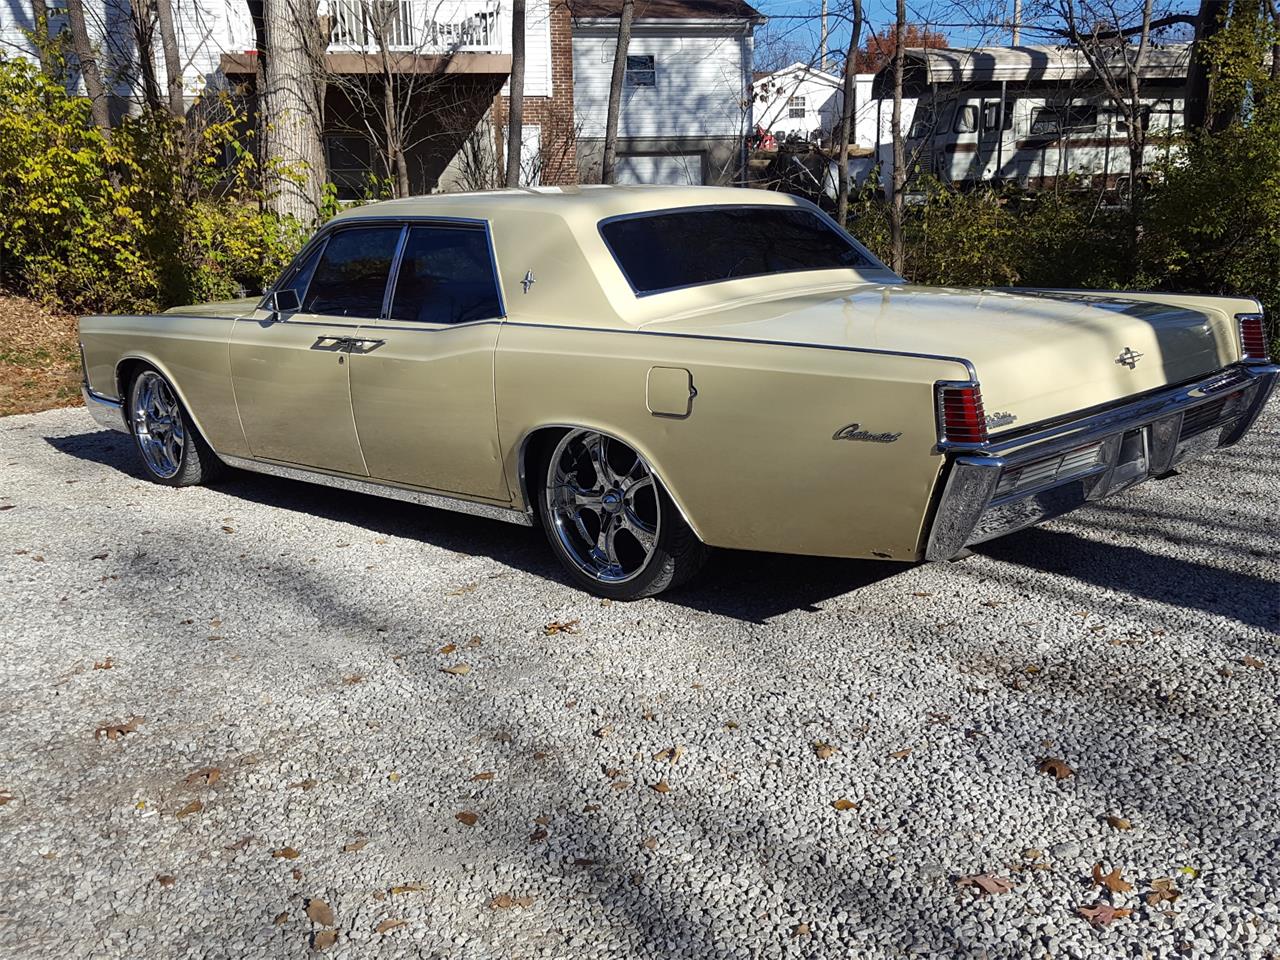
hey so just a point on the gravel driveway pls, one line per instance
(321, 716)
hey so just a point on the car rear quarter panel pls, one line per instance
(755, 464)
(191, 351)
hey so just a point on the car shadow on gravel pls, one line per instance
(1136, 572)
(742, 585)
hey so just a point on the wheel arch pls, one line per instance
(127, 369)
(536, 441)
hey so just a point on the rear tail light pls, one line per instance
(960, 415)
(1253, 337)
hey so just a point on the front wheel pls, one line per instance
(172, 450)
(610, 522)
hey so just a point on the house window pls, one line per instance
(795, 108)
(350, 165)
(641, 71)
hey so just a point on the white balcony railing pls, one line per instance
(420, 26)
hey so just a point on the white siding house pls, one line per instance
(798, 100)
(686, 101)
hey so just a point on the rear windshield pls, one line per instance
(681, 248)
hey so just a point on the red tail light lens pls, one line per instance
(960, 415)
(1253, 337)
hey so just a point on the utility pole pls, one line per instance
(822, 40)
(1017, 22)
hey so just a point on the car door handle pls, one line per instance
(331, 342)
(364, 343)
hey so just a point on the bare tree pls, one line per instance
(847, 108)
(141, 17)
(896, 208)
(88, 59)
(515, 109)
(615, 91)
(40, 20)
(172, 60)
(293, 107)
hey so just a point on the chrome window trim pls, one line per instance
(457, 223)
(873, 262)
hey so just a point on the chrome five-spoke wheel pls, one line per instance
(610, 521)
(157, 425)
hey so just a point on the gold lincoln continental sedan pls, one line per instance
(650, 372)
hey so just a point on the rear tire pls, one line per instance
(609, 521)
(172, 451)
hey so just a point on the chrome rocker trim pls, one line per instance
(1148, 433)
(105, 411)
(376, 488)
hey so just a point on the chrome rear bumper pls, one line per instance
(1015, 483)
(105, 411)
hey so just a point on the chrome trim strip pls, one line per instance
(770, 343)
(105, 411)
(374, 488)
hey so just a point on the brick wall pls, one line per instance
(554, 114)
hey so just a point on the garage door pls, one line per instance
(669, 168)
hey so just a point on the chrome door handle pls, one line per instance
(364, 343)
(325, 338)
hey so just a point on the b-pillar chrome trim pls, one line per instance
(375, 488)
(966, 513)
(105, 411)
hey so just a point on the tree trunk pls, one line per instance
(140, 13)
(515, 110)
(607, 170)
(172, 59)
(40, 15)
(89, 66)
(1196, 109)
(896, 209)
(292, 104)
(847, 110)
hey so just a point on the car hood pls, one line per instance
(1038, 354)
(219, 308)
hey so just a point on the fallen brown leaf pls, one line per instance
(669, 755)
(458, 669)
(824, 751)
(1055, 767)
(901, 754)
(394, 776)
(800, 930)
(226, 529)
(388, 925)
(166, 880)
(195, 806)
(324, 939)
(985, 882)
(281, 918)
(286, 853)
(241, 843)
(612, 773)
(538, 835)
(1162, 891)
(1253, 662)
(651, 843)
(844, 804)
(467, 817)
(486, 775)
(5, 797)
(306, 784)
(1119, 823)
(355, 846)
(555, 626)
(448, 648)
(505, 901)
(204, 777)
(1102, 914)
(296, 873)
(351, 679)
(320, 912)
(114, 731)
(408, 888)
(106, 664)
(660, 787)
(602, 732)
(1112, 881)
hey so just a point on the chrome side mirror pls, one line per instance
(284, 301)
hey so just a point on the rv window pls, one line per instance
(1051, 120)
(991, 116)
(946, 117)
(923, 124)
(967, 119)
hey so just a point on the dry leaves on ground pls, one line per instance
(555, 626)
(355, 846)
(320, 912)
(1119, 823)
(986, 883)
(286, 853)
(324, 939)
(195, 806)
(900, 754)
(106, 664)
(1162, 891)
(467, 817)
(5, 797)
(823, 750)
(114, 731)
(844, 804)
(1103, 914)
(204, 777)
(660, 787)
(1056, 767)
(408, 888)
(1253, 662)
(389, 924)
(1112, 881)
(166, 880)
(478, 777)
(505, 901)
(458, 669)
(303, 785)
(801, 930)
(669, 755)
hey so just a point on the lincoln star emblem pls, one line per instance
(528, 280)
(1129, 358)
(854, 431)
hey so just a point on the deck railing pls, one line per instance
(423, 26)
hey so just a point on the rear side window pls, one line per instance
(351, 278)
(681, 248)
(446, 276)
